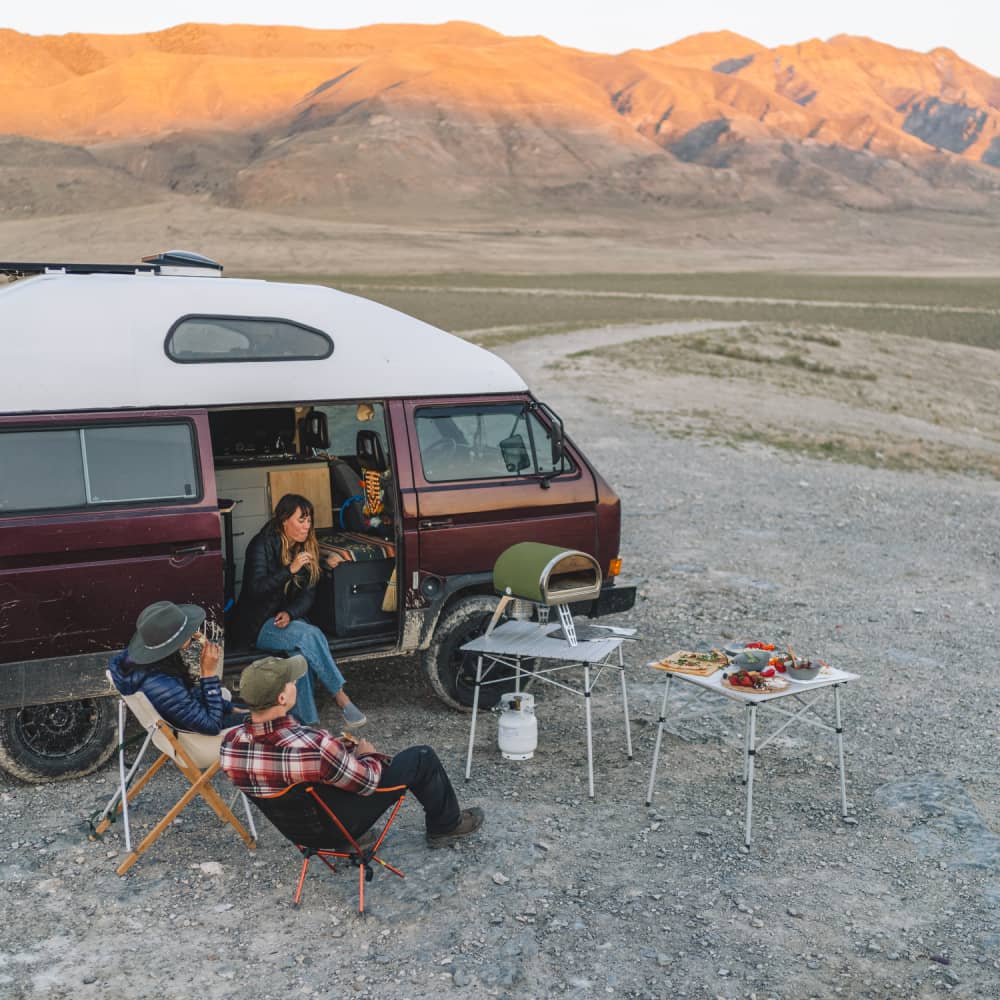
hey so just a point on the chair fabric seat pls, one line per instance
(300, 819)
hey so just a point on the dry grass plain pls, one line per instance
(874, 370)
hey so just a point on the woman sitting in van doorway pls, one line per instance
(153, 664)
(279, 585)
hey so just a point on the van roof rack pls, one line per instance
(168, 262)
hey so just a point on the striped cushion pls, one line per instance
(352, 546)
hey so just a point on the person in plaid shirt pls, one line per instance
(271, 751)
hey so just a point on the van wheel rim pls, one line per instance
(58, 730)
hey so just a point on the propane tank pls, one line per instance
(517, 734)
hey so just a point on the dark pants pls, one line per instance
(424, 775)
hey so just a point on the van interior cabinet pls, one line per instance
(309, 481)
(256, 489)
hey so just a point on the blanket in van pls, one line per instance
(352, 546)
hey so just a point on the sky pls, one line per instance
(969, 27)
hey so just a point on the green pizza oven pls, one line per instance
(547, 574)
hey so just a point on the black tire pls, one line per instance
(54, 742)
(451, 673)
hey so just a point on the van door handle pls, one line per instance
(445, 522)
(191, 550)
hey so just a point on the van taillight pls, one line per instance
(614, 567)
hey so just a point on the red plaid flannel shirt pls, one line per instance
(264, 758)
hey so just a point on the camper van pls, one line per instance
(152, 415)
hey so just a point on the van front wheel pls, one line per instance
(452, 673)
(66, 739)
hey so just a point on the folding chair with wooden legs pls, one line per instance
(195, 755)
(326, 822)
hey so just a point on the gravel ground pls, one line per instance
(889, 575)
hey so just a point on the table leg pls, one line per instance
(659, 737)
(475, 711)
(590, 737)
(751, 753)
(628, 725)
(840, 751)
(746, 746)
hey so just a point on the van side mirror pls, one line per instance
(558, 435)
(514, 451)
(557, 443)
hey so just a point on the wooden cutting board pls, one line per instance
(687, 662)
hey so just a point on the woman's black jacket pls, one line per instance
(269, 587)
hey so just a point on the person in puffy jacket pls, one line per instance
(280, 573)
(152, 664)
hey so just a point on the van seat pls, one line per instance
(352, 546)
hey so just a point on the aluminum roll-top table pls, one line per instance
(797, 704)
(515, 641)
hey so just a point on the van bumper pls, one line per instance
(613, 600)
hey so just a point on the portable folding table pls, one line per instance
(515, 641)
(803, 696)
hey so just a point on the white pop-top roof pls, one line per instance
(96, 342)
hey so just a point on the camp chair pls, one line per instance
(195, 755)
(327, 822)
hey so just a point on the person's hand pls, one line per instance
(302, 559)
(210, 654)
(334, 560)
(282, 619)
(364, 747)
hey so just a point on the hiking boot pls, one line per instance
(354, 718)
(471, 820)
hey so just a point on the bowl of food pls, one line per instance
(738, 645)
(751, 659)
(802, 670)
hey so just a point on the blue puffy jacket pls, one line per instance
(198, 709)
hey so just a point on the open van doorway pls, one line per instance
(338, 455)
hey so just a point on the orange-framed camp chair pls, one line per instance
(195, 755)
(326, 822)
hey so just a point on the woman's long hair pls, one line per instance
(172, 665)
(287, 506)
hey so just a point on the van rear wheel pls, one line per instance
(54, 742)
(452, 673)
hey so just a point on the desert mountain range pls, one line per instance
(415, 122)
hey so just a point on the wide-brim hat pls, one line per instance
(162, 628)
(265, 679)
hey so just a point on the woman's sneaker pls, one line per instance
(354, 718)
(470, 821)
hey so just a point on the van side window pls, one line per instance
(344, 420)
(97, 465)
(488, 441)
(214, 339)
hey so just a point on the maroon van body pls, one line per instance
(73, 579)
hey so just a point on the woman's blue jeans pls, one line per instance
(301, 637)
